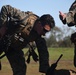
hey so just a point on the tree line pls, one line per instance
(60, 37)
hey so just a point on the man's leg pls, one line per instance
(17, 61)
(75, 55)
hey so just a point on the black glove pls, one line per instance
(51, 69)
(61, 18)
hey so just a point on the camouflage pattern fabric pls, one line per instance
(71, 16)
(73, 6)
(17, 15)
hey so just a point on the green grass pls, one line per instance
(66, 62)
(68, 53)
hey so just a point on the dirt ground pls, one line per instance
(32, 68)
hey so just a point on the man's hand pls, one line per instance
(62, 17)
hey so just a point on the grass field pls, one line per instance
(66, 62)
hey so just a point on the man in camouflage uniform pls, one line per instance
(34, 32)
(70, 19)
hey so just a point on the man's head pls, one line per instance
(47, 21)
(44, 24)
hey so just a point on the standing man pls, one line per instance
(70, 19)
(30, 32)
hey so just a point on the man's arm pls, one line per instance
(69, 18)
(6, 13)
(43, 55)
(9, 11)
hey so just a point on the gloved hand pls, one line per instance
(51, 69)
(62, 17)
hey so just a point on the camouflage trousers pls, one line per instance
(17, 61)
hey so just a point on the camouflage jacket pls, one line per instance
(9, 12)
(70, 16)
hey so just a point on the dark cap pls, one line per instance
(47, 19)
